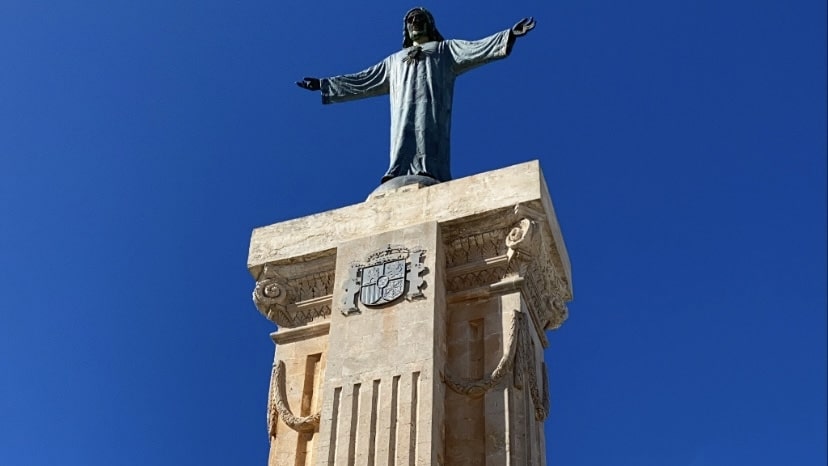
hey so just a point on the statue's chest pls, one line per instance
(420, 58)
(420, 70)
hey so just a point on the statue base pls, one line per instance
(399, 182)
(411, 327)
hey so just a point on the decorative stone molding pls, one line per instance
(277, 407)
(293, 296)
(290, 335)
(479, 274)
(477, 246)
(306, 313)
(314, 285)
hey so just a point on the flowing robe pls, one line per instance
(421, 91)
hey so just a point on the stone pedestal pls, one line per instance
(411, 327)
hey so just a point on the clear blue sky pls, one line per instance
(684, 144)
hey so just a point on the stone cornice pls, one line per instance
(454, 202)
(301, 333)
(506, 251)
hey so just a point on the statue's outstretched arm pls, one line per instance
(523, 27)
(311, 84)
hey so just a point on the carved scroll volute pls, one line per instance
(271, 294)
(523, 242)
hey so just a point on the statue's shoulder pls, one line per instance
(435, 46)
(400, 53)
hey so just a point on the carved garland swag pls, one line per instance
(277, 407)
(518, 358)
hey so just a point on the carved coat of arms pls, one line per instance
(386, 276)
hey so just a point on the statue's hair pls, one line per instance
(434, 35)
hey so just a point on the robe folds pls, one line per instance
(420, 84)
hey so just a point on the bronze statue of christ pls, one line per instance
(419, 80)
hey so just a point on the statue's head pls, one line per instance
(418, 25)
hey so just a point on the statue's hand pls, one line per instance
(311, 84)
(523, 26)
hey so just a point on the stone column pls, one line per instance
(412, 326)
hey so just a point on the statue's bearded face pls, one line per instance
(418, 26)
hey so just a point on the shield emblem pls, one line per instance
(382, 283)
